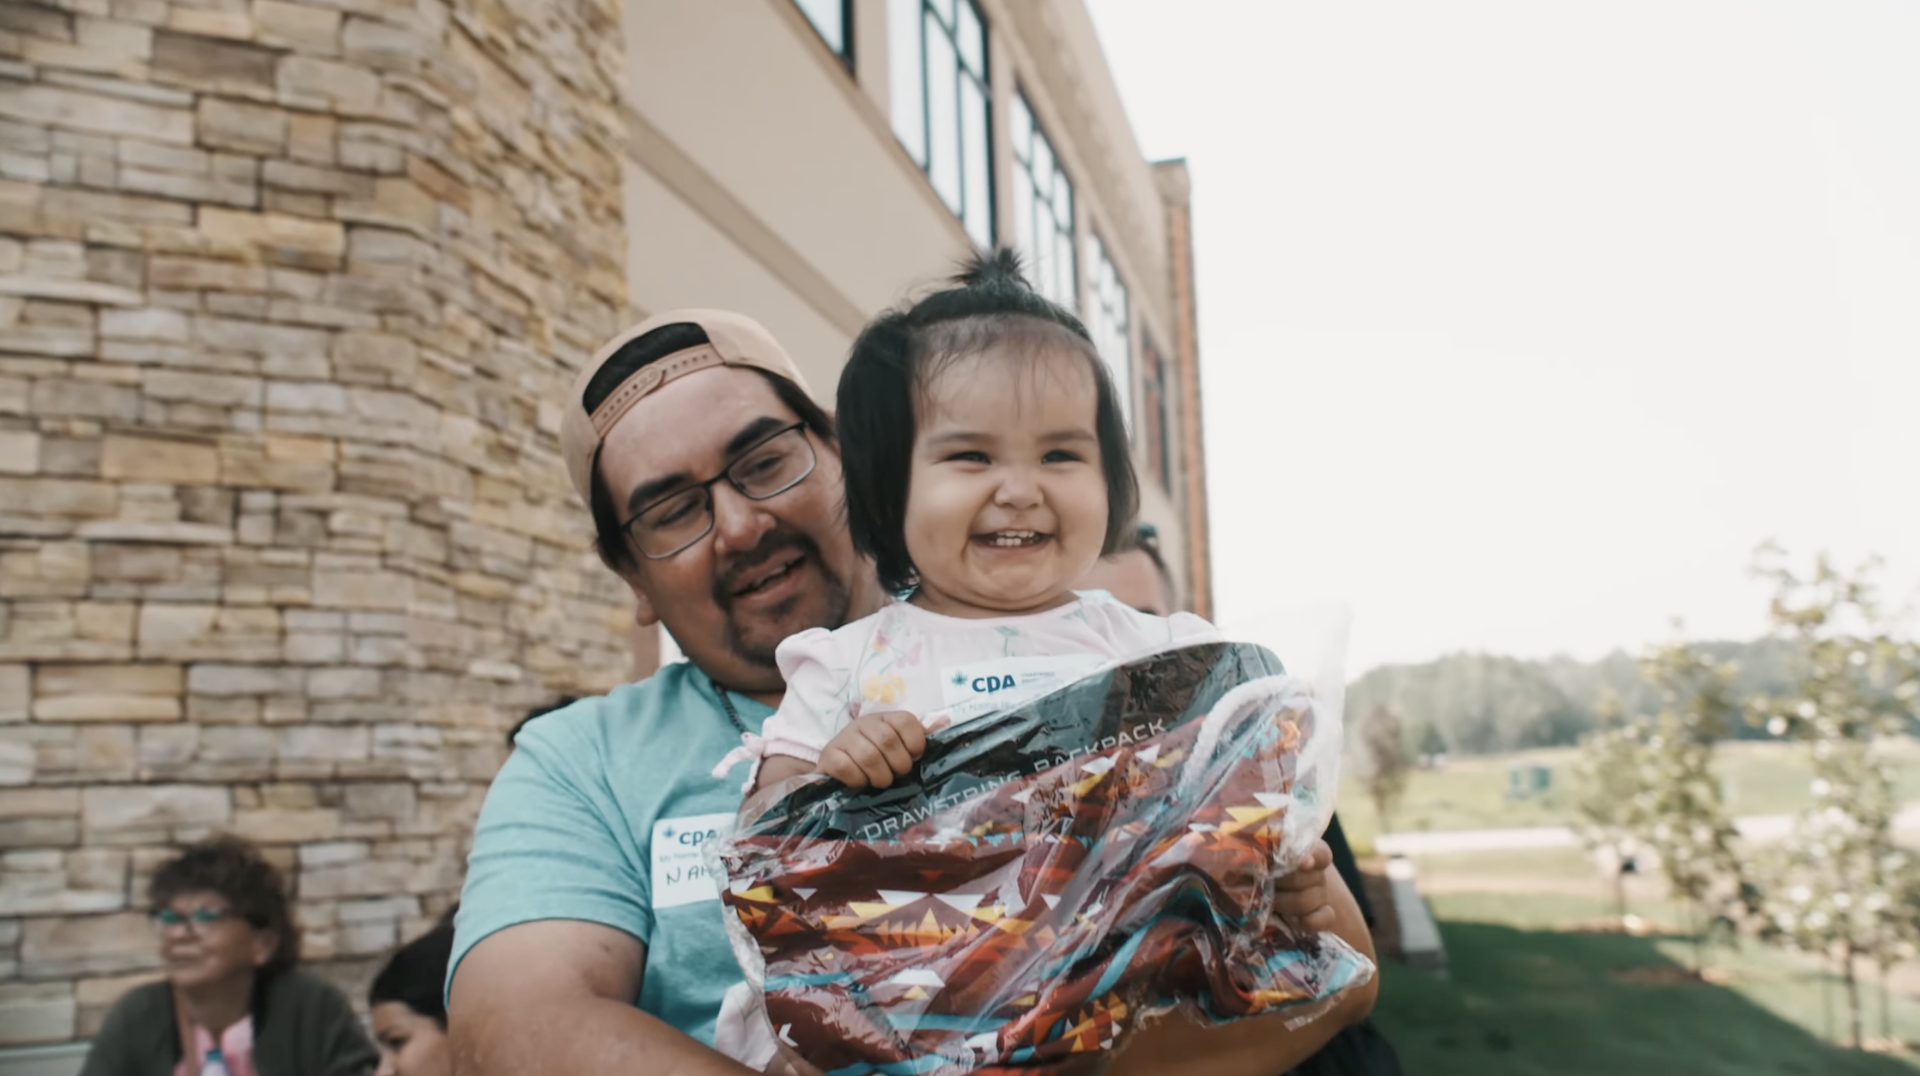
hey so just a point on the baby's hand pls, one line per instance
(874, 749)
(1301, 897)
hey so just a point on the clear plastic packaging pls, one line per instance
(1048, 878)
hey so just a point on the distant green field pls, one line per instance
(1762, 778)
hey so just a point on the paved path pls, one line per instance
(1768, 827)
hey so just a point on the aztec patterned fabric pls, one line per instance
(1049, 876)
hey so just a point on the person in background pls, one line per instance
(233, 1002)
(409, 1008)
(1136, 574)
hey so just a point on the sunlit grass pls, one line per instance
(1526, 996)
(1471, 793)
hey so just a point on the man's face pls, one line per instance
(769, 568)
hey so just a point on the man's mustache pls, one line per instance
(776, 543)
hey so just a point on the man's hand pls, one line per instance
(874, 749)
(1260, 1045)
(1301, 898)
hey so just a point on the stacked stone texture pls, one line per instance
(287, 295)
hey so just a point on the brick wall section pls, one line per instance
(287, 292)
(1176, 191)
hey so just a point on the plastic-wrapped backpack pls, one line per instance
(1049, 877)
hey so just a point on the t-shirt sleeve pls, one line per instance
(545, 846)
(818, 665)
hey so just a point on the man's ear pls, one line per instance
(643, 613)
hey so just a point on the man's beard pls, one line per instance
(834, 594)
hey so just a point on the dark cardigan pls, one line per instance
(301, 1027)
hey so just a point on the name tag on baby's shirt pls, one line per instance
(987, 687)
(680, 874)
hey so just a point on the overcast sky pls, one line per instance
(1522, 323)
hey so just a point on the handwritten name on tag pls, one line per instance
(680, 873)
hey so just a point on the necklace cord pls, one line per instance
(726, 703)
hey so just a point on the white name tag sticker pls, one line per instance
(680, 873)
(986, 687)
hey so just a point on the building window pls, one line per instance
(1154, 406)
(1107, 321)
(1042, 209)
(831, 18)
(937, 52)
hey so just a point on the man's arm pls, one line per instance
(1261, 1046)
(555, 998)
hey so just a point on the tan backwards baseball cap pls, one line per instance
(632, 365)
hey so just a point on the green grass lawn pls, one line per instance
(1762, 778)
(1525, 999)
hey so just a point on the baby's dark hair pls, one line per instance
(990, 304)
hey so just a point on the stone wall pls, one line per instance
(287, 292)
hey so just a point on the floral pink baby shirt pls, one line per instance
(906, 658)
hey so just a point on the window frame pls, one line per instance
(845, 52)
(1156, 411)
(976, 219)
(1099, 315)
(1025, 179)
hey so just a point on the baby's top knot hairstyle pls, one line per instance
(988, 304)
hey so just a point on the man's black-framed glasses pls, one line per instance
(774, 465)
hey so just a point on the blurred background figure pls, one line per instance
(1136, 573)
(513, 734)
(233, 1002)
(409, 1010)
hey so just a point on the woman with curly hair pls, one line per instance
(233, 1003)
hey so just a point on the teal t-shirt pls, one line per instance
(599, 814)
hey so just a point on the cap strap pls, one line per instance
(648, 378)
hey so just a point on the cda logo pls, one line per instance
(691, 838)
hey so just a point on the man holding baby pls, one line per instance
(590, 939)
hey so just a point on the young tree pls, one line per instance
(1844, 889)
(1613, 788)
(1388, 765)
(1684, 819)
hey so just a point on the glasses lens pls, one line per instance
(167, 917)
(671, 525)
(774, 466)
(208, 916)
